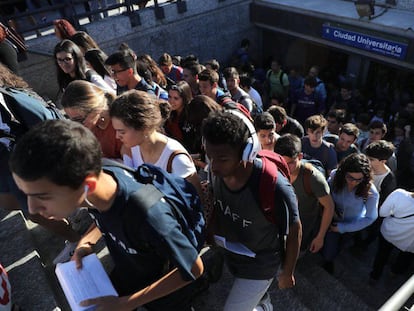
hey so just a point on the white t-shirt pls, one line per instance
(378, 179)
(182, 165)
(397, 230)
(111, 82)
(99, 82)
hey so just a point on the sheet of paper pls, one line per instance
(89, 282)
(234, 247)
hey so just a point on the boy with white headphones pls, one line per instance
(250, 242)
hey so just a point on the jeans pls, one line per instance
(385, 248)
(245, 294)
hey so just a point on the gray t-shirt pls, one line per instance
(309, 210)
(239, 219)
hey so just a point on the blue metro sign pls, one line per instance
(365, 42)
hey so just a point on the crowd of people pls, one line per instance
(349, 177)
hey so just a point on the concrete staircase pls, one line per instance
(27, 251)
(28, 275)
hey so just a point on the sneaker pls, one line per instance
(66, 253)
(265, 304)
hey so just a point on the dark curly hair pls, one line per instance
(222, 128)
(354, 163)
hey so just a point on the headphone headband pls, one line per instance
(252, 145)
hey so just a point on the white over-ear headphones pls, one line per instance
(252, 145)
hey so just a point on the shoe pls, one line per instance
(66, 253)
(265, 304)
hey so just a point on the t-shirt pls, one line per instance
(141, 86)
(243, 98)
(110, 145)
(377, 179)
(307, 105)
(333, 139)
(176, 73)
(325, 153)
(276, 88)
(182, 165)
(309, 209)
(158, 248)
(239, 219)
(255, 96)
(100, 82)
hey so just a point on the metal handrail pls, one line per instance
(399, 298)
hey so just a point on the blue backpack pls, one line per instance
(22, 109)
(160, 187)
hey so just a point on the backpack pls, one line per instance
(5, 291)
(160, 187)
(22, 109)
(272, 162)
(256, 110)
(269, 73)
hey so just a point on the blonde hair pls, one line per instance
(86, 97)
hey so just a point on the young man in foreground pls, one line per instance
(58, 166)
(253, 255)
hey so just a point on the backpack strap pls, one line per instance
(281, 77)
(307, 172)
(268, 180)
(172, 156)
(3, 103)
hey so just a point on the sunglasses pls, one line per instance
(352, 179)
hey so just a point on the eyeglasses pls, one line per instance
(65, 60)
(115, 72)
(353, 179)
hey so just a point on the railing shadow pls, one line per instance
(81, 12)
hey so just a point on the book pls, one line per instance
(89, 282)
(234, 247)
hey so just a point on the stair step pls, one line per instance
(215, 297)
(30, 285)
(311, 294)
(330, 287)
(358, 281)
